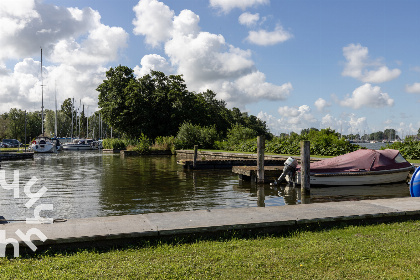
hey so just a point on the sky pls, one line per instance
(350, 65)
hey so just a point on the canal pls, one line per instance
(95, 184)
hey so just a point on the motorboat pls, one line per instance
(43, 144)
(79, 144)
(362, 167)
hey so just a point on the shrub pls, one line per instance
(190, 135)
(164, 143)
(114, 143)
(143, 145)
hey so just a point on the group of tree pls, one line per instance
(71, 122)
(158, 105)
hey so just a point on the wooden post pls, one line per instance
(260, 159)
(195, 156)
(261, 196)
(305, 153)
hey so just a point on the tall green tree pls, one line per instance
(16, 128)
(157, 105)
(115, 100)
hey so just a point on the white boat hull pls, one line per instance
(359, 178)
(43, 148)
(77, 147)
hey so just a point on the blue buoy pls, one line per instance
(415, 183)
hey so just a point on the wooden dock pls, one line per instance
(223, 160)
(226, 164)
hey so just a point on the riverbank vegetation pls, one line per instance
(240, 139)
(384, 251)
(409, 149)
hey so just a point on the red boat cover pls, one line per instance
(361, 160)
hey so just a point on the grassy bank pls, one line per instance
(385, 251)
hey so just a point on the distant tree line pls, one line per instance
(158, 105)
(71, 122)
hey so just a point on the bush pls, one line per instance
(190, 135)
(114, 143)
(164, 143)
(409, 149)
(324, 143)
(143, 145)
(238, 133)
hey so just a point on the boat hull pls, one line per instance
(359, 178)
(43, 147)
(76, 147)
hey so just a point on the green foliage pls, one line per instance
(239, 138)
(164, 143)
(114, 143)
(323, 143)
(157, 105)
(190, 135)
(409, 149)
(143, 145)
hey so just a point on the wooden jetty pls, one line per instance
(223, 160)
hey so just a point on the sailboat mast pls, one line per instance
(42, 99)
(55, 111)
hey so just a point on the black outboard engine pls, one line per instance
(289, 169)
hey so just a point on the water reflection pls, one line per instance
(92, 184)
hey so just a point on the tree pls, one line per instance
(157, 105)
(116, 106)
(4, 124)
(16, 127)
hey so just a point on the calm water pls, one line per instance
(93, 184)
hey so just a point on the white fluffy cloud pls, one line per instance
(228, 5)
(76, 47)
(368, 96)
(152, 62)
(153, 20)
(205, 59)
(321, 104)
(414, 88)
(268, 38)
(298, 117)
(360, 67)
(248, 19)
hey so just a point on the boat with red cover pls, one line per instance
(362, 167)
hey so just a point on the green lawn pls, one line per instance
(385, 251)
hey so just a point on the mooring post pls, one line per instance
(305, 153)
(195, 156)
(261, 196)
(260, 158)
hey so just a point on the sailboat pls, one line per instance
(42, 144)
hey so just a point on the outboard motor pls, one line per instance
(289, 169)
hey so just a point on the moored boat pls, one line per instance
(79, 144)
(43, 144)
(362, 167)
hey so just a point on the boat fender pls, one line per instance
(415, 183)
